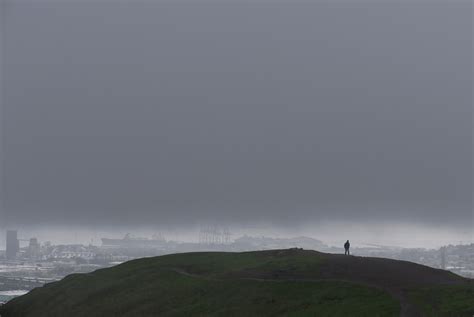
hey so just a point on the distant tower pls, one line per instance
(226, 233)
(442, 252)
(34, 249)
(13, 244)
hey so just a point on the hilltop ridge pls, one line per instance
(261, 283)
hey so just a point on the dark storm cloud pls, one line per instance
(174, 111)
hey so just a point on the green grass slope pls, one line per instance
(265, 283)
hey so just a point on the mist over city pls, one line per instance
(145, 128)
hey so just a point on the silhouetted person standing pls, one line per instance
(347, 246)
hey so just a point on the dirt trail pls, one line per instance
(407, 309)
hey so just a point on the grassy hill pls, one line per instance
(290, 282)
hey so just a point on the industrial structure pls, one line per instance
(212, 235)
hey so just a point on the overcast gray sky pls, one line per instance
(134, 112)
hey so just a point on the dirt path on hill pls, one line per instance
(407, 309)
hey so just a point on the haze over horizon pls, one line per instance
(289, 115)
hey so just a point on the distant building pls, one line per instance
(442, 251)
(13, 244)
(34, 249)
(72, 252)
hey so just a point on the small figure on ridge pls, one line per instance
(347, 245)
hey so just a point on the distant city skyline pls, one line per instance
(390, 234)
